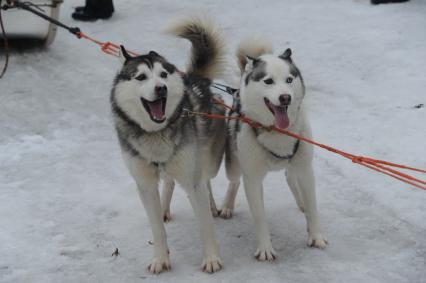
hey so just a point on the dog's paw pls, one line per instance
(211, 264)
(166, 216)
(159, 264)
(215, 211)
(263, 254)
(317, 241)
(226, 212)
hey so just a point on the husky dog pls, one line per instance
(148, 101)
(271, 93)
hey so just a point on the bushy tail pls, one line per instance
(207, 53)
(253, 47)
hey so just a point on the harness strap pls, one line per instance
(287, 156)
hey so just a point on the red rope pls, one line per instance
(106, 47)
(374, 164)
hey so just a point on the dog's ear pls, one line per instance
(153, 53)
(286, 54)
(123, 55)
(251, 62)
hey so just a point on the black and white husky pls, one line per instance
(271, 93)
(158, 139)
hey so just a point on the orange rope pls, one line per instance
(106, 47)
(374, 164)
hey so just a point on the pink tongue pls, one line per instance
(281, 117)
(156, 108)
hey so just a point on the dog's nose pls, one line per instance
(285, 99)
(161, 90)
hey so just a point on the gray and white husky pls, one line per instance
(157, 139)
(271, 93)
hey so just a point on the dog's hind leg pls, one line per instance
(213, 207)
(199, 198)
(166, 198)
(294, 187)
(233, 172)
(229, 202)
(306, 181)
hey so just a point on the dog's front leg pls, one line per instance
(166, 198)
(199, 198)
(147, 178)
(254, 192)
(151, 201)
(306, 182)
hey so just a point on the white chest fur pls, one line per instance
(155, 147)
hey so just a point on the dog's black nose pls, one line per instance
(161, 90)
(285, 99)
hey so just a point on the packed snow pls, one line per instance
(67, 201)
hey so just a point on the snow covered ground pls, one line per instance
(67, 201)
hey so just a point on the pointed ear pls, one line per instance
(251, 62)
(124, 56)
(250, 59)
(153, 53)
(286, 54)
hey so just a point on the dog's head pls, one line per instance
(148, 89)
(272, 90)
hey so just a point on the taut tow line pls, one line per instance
(113, 49)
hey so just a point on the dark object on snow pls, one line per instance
(116, 252)
(94, 9)
(79, 9)
(376, 2)
(418, 106)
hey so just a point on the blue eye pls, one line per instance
(289, 80)
(268, 81)
(141, 77)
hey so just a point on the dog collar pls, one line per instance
(288, 156)
(285, 157)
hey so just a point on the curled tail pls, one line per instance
(253, 47)
(207, 53)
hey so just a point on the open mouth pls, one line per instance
(280, 114)
(156, 109)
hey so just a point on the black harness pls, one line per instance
(284, 157)
(288, 156)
